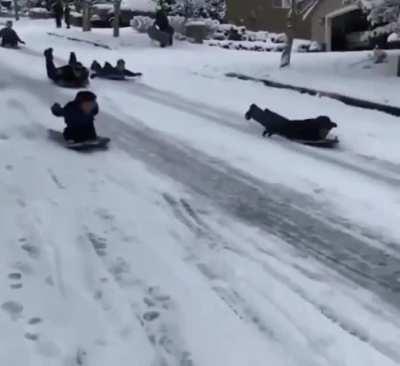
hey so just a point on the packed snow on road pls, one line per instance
(192, 240)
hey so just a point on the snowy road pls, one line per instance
(173, 249)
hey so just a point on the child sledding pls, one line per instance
(119, 72)
(312, 131)
(161, 31)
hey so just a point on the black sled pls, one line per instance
(101, 143)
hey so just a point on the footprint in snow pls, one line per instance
(151, 315)
(15, 278)
(13, 308)
(30, 249)
(99, 244)
(32, 335)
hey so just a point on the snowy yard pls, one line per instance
(192, 241)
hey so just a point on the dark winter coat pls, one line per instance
(58, 9)
(80, 126)
(312, 129)
(162, 21)
(9, 37)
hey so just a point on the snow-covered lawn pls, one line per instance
(193, 241)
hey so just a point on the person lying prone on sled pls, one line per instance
(119, 72)
(313, 129)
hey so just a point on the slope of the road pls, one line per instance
(159, 251)
(368, 155)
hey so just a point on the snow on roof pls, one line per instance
(138, 5)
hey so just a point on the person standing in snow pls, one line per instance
(58, 11)
(67, 15)
(162, 24)
(119, 72)
(79, 116)
(9, 37)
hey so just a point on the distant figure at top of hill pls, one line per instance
(9, 37)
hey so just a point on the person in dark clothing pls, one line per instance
(67, 15)
(58, 11)
(313, 129)
(162, 24)
(9, 37)
(119, 72)
(73, 75)
(79, 117)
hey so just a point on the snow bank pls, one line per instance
(139, 5)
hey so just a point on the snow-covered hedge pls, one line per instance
(141, 23)
(39, 13)
(384, 15)
(262, 46)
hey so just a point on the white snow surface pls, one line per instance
(139, 5)
(108, 258)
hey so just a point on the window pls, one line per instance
(282, 4)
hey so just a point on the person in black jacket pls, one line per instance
(9, 37)
(119, 72)
(73, 75)
(162, 24)
(79, 117)
(67, 15)
(58, 11)
(313, 129)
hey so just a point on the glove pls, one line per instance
(23, 42)
(56, 109)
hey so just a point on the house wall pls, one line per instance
(318, 18)
(261, 15)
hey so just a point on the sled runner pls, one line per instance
(99, 143)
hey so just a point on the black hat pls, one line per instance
(85, 96)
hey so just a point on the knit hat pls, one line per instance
(85, 96)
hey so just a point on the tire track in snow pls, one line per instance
(237, 303)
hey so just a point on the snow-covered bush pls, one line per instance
(214, 9)
(141, 23)
(384, 15)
